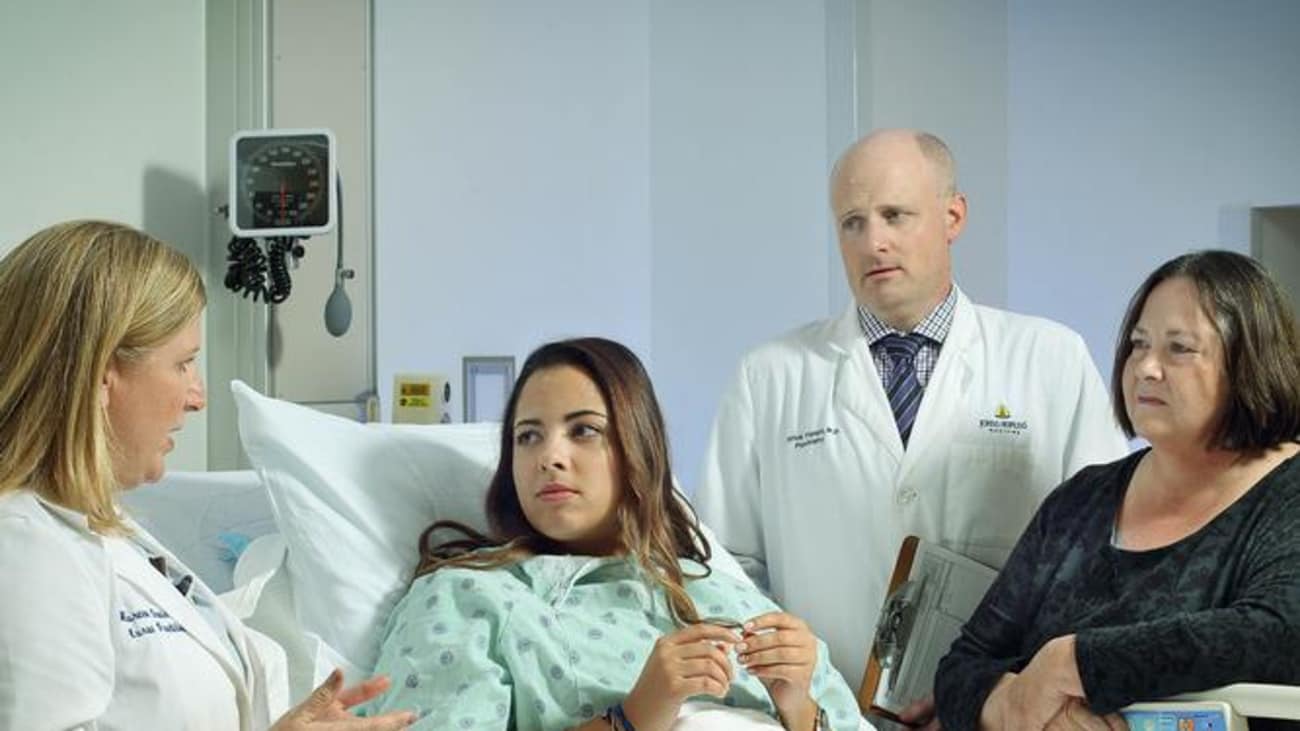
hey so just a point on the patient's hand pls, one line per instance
(326, 709)
(781, 651)
(1076, 717)
(690, 661)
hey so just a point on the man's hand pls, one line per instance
(326, 709)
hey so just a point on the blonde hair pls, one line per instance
(75, 296)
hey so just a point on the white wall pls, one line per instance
(104, 118)
(511, 158)
(654, 171)
(1138, 131)
(320, 77)
(651, 171)
(738, 165)
(941, 66)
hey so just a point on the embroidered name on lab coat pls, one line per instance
(1003, 422)
(812, 436)
(144, 622)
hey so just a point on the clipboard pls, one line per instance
(932, 592)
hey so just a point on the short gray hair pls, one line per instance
(932, 149)
(945, 168)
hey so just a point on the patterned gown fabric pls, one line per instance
(551, 642)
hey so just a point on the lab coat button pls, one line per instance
(906, 497)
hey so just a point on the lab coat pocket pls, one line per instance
(1012, 461)
(991, 498)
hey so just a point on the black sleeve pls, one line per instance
(990, 642)
(1255, 637)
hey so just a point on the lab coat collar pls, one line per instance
(859, 391)
(946, 389)
(846, 332)
(133, 568)
(128, 564)
(74, 518)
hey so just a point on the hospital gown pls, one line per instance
(551, 642)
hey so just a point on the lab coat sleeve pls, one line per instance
(728, 495)
(56, 656)
(442, 655)
(1094, 437)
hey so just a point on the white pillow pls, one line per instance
(205, 518)
(351, 500)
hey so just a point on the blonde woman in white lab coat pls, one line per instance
(102, 627)
(808, 473)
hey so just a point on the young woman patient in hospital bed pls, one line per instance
(1173, 570)
(591, 605)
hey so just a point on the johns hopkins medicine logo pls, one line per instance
(1004, 422)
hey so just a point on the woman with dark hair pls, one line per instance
(592, 605)
(1176, 569)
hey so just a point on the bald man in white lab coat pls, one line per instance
(916, 411)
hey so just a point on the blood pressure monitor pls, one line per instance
(281, 182)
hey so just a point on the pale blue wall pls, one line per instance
(657, 169)
(648, 171)
(1138, 131)
(511, 179)
(738, 166)
(104, 118)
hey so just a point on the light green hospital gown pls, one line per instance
(551, 642)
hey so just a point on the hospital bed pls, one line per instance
(316, 545)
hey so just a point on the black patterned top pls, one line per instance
(1220, 606)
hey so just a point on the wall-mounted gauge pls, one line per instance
(282, 182)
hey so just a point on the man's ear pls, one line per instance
(955, 216)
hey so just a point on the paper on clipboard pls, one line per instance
(932, 592)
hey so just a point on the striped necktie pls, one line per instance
(903, 389)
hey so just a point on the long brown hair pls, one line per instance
(656, 525)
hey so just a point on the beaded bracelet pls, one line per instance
(617, 718)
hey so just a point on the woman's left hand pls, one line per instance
(1075, 716)
(1041, 692)
(781, 651)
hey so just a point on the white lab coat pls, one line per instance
(805, 471)
(93, 637)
